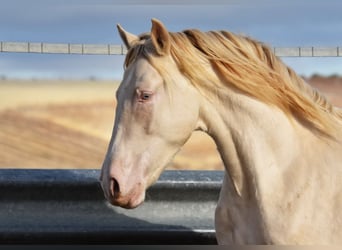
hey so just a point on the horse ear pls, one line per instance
(160, 37)
(127, 37)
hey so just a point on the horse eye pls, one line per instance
(145, 96)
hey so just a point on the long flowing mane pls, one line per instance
(247, 65)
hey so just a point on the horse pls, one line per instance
(280, 140)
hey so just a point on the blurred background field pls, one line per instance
(67, 124)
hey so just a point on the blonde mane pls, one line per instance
(248, 66)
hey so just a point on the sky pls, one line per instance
(275, 22)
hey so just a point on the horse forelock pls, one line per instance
(222, 58)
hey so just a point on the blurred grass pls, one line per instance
(68, 124)
(15, 93)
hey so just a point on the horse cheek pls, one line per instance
(144, 117)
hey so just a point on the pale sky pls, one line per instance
(275, 22)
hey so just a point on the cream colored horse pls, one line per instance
(279, 139)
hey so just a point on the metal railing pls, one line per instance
(68, 207)
(115, 49)
(62, 48)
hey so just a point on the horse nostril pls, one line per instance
(116, 187)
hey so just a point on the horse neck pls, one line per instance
(251, 137)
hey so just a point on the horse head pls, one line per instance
(154, 118)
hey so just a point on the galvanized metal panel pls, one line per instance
(115, 50)
(76, 49)
(55, 48)
(14, 47)
(321, 51)
(96, 49)
(288, 52)
(306, 51)
(67, 206)
(35, 47)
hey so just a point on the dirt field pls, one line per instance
(67, 124)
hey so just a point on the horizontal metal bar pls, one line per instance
(308, 51)
(114, 49)
(67, 206)
(62, 48)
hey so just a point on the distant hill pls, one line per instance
(330, 86)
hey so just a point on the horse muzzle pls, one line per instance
(118, 195)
